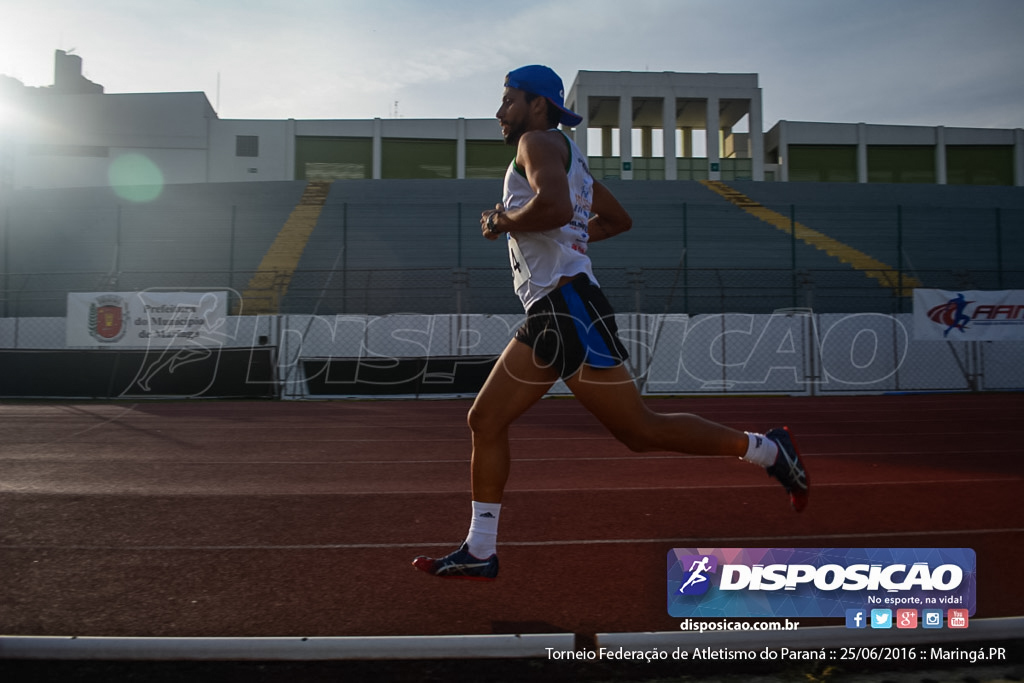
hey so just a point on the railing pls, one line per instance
(385, 291)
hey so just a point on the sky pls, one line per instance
(913, 62)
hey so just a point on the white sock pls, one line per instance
(483, 530)
(761, 450)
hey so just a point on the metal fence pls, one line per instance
(793, 352)
(423, 253)
(837, 255)
(387, 291)
(789, 351)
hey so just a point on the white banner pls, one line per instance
(150, 319)
(969, 315)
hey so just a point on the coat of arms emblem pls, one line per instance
(108, 318)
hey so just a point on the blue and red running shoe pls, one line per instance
(789, 469)
(459, 565)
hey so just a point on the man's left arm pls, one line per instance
(608, 218)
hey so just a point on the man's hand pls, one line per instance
(543, 156)
(608, 218)
(489, 222)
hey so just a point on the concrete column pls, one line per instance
(713, 133)
(862, 152)
(756, 136)
(460, 148)
(377, 148)
(668, 127)
(646, 142)
(289, 150)
(606, 142)
(626, 136)
(1018, 157)
(687, 142)
(783, 153)
(581, 107)
(941, 176)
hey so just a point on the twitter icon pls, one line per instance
(881, 618)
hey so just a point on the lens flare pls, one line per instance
(135, 178)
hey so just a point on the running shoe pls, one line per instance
(789, 469)
(459, 565)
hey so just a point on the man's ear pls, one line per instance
(539, 107)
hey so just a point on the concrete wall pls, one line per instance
(786, 133)
(73, 140)
(794, 353)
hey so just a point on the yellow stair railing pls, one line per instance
(270, 282)
(883, 273)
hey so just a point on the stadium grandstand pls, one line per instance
(153, 191)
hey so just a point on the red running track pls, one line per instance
(301, 519)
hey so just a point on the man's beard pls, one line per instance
(515, 131)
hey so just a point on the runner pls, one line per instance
(551, 210)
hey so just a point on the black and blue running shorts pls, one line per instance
(573, 326)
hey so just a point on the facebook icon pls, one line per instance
(856, 618)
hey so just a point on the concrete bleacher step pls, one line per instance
(882, 273)
(271, 280)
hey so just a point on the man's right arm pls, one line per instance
(541, 156)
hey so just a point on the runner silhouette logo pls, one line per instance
(696, 580)
(951, 314)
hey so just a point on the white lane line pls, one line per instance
(65, 460)
(102, 488)
(682, 542)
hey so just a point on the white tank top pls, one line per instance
(540, 259)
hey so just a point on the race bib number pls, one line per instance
(520, 271)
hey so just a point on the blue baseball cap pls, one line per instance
(543, 81)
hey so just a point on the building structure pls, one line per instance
(676, 104)
(636, 126)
